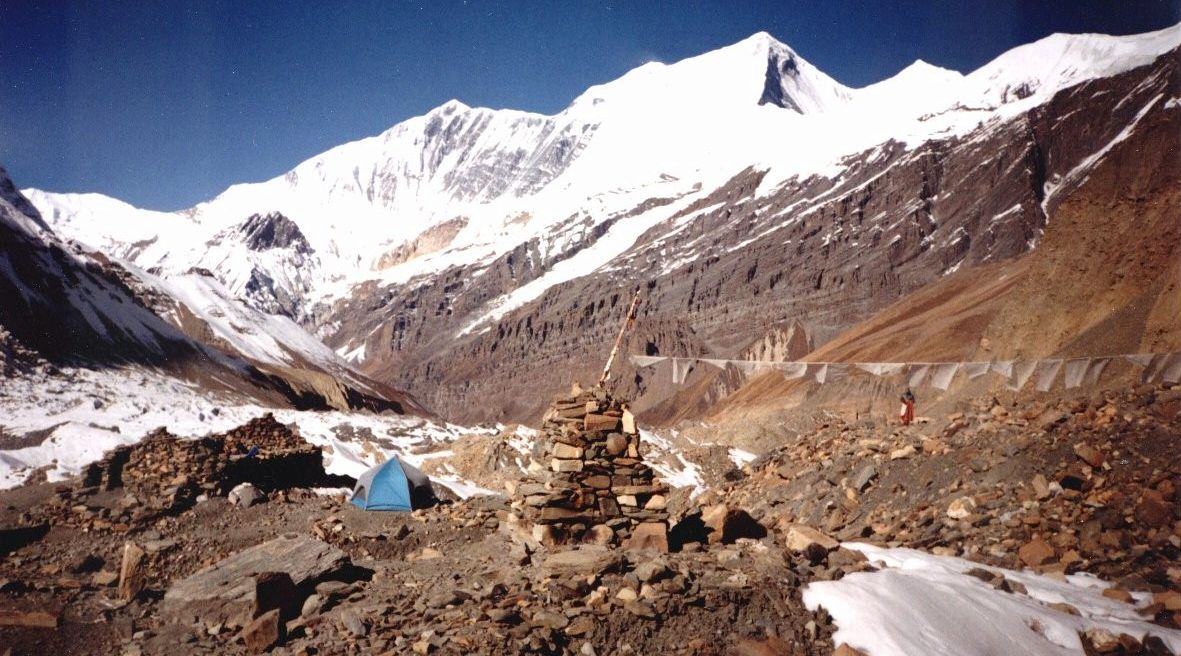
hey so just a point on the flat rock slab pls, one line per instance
(226, 589)
(587, 560)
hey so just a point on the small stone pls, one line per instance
(105, 578)
(1088, 454)
(245, 495)
(904, 452)
(44, 618)
(596, 422)
(652, 570)
(656, 502)
(1119, 595)
(616, 444)
(566, 466)
(629, 422)
(550, 620)
(1170, 599)
(798, 537)
(313, 605)
(649, 536)
(864, 477)
(353, 623)
(587, 560)
(1153, 510)
(600, 534)
(1103, 641)
(1041, 487)
(729, 524)
(566, 452)
(263, 632)
(132, 572)
(640, 609)
(1036, 552)
(961, 507)
(846, 650)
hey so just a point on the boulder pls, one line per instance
(133, 572)
(798, 537)
(245, 495)
(276, 590)
(227, 588)
(40, 617)
(1088, 454)
(596, 422)
(1153, 510)
(1036, 552)
(263, 632)
(651, 536)
(961, 507)
(727, 524)
(587, 560)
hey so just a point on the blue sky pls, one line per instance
(164, 104)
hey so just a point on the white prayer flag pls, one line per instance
(1074, 371)
(818, 372)
(1095, 369)
(720, 364)
(836, 372)
(975, 370)
(1047, 372)
(642, 361)
(1153, 371)
(1021, 371)
(747, 367)
(792, 370)
(1140, 359)
(1172, 368)
(681, 367)
(880, 368)
(917, 375)
(1003, 367)
(941, 378)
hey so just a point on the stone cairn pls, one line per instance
(597, 488)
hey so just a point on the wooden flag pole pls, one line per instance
(628, 321)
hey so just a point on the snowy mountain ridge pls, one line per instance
(509, 177)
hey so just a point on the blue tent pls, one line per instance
(393, 485)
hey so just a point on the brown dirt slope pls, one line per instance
(1104, 279)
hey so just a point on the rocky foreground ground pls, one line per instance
(158, 549)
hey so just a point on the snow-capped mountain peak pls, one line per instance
(758, 70)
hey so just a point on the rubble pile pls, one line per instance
(164, 474)
(1061, 486)
(597, 488)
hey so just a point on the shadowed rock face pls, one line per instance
(827, 252)
(273, 230)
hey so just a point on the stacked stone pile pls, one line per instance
(164, 474)
(598, 488)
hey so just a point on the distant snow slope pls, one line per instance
(83, 413)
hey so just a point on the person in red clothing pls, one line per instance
(906, 414)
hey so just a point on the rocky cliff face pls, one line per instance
(827, 252)
(74, 307)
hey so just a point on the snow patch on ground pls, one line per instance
(85, 413)
(921, 604)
